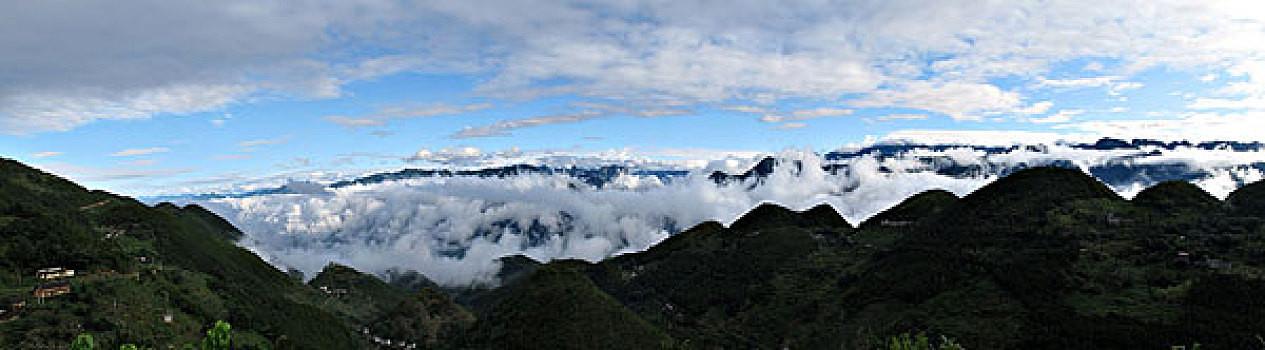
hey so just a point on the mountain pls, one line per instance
(364, 297)
(1249, 200)
(1044, 258)
(769, 215)
(990, 255)
(1176, 195)
(136, 263)
(907, 213)
(594, 176)
(559, 307)
(1118, 163)
(712, 286)
(204, 219)
(1047, 258)
(428, 318)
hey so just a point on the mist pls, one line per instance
(453, 229)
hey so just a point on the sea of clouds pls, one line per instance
(453, 229)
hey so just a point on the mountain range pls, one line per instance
(1044, 258)
(1137, 161)
(463, 219)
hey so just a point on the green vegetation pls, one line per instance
(428, 317)
(83, 342)
(1046, 258)
(150, 276)
(219, 337)
(357, 297)
(558, 307)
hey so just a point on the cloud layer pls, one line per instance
(69, 64)
(453, 228)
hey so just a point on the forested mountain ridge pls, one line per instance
(153, 276)
(1046, 258)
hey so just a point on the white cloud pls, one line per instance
(791, 126)
(45, 154)
(896, 53)
(1114, 84)
(961, 101)
(454, 228)
(1080, 82)
(382, 116)
(901, 117)
(771, 118)
(29, 112)
(502, 128)
(448, 155)
(648, 109)
(749, 109)
(820, 112)
(1189, 126)
(219, 122)
(251, 145)
(139, 151)
(982, 137)
(295, 163)
(1061, 116)
(772, 115)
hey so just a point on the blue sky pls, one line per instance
(201, 95)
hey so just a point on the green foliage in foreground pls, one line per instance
(83, 342)
(219, 337)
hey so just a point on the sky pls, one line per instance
(152, 97)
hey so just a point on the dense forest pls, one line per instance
(1046, 258)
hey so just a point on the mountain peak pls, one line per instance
(766, 214)
(1249, 199)
(1176, 196)
(825, 214)
(1021, 200)
(919, 206)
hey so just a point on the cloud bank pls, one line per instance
(69, 64)
(453, 228)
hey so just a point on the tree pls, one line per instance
(83, 342)
(127, 347)
(218, 337)
(907, 341)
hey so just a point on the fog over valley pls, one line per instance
(453, 226)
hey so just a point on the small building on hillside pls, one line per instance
(52, 289)
(335, 292)
(895, 223)
(53, 273)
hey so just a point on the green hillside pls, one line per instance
(1046, 258)
(1177, 196)
(360, 297)
(558, 307)
(136, 264)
